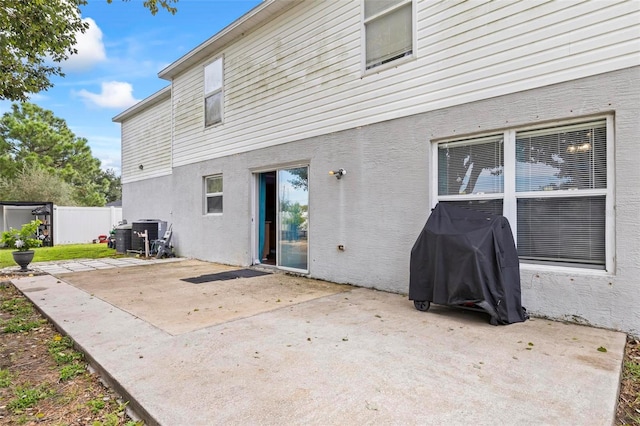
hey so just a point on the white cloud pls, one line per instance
(114, 94)
(90, 49)
(109, 161)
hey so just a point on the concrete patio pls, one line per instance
(278, 349)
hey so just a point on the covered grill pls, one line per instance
(467, 258)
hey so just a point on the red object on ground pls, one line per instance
(102, 239)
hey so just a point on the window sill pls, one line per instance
(212, 214)
(388, 65)
(565, 270)
(213, 126)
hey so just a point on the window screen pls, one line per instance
(213, 194)
(388, 30)
(213, 99)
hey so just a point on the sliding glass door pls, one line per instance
(293, 218)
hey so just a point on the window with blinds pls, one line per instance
(572, 161)
(471, 166)
(388, 27)
(552, 186)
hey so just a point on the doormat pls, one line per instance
(224, 276)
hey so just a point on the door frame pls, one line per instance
(256, 255)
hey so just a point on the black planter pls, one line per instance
(23, 258)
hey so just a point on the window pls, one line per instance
(213, 194)
(213, 79)
(551, 183)
(388, 29)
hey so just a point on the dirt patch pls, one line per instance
(35, 389)
(160, 296)
(629, 401)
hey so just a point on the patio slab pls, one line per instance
(340, 357)
(159, 295)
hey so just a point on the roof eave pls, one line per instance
(250, 20)
(159, 96)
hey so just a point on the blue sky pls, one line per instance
(118, 61)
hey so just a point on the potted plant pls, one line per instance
(23, 240)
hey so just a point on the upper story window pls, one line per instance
(213, 194)
(551, 183)
(388, 27)
(213, 99)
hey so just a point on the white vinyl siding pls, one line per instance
(300, 75)
(146, 142)
(550, 182)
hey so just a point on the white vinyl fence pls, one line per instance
(83, 224)
(70, 224)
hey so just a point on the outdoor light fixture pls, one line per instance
(338, 173)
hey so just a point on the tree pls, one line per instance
(32, 137)
(35, 33)
(300, 178)
(113, 185)
(36, 184)
(152, 5)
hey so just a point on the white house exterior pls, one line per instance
(526, 108)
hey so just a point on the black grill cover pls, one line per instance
(467, 257)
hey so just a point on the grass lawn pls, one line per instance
(62, 252)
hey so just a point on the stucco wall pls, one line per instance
(377, 210)
(147, 199)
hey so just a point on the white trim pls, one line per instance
(207, 195)
(364, 71)
(206, 95)
(510, 204)
(298, 271)
(363, 42)
(555, 129)
(563, 193)
(433, 162)
(254, 191)
(256, 254)
(386, 11)
(610, 209)
(452, 143)
(173, 126)
(568, 270)
(276, 167)
(471, 197)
